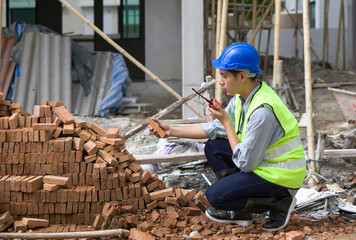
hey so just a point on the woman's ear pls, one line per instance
(243, 77)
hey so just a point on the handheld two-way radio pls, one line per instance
(211, 102)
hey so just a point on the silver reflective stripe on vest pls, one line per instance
(295, 164)
(283, 149)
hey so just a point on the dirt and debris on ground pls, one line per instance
(337, 172)
(169, 220)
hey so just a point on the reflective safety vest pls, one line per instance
(284, 161)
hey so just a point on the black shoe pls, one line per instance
(240, 218)
(279, 214)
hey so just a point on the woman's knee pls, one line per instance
(208, 146)
(214, 197)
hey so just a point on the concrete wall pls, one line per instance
(163, 36)
(192, 52)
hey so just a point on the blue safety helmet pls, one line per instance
(239, 56)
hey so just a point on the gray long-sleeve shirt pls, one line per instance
(263, 130)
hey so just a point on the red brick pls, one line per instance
(112, 141)
(158, 129)
(108, 158)
(191, 211)
(162, 193)
(44, 126)
(63, 115)
(34, 184)
(90, 147)
(99, 130)
(38, 111)
(78, 144)
(14, 121)
(68, 129)
(59, 180)
(35, 222)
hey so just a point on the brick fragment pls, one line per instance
(112, 133)
(294, 235)
(35, 222)
(137, 234)
(158, 129)
(4, 217)
(5, 221)
(14, 121)
(19, 226)
(50, 187)
(58, 180)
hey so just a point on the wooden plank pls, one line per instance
(339, 84)
(334, 153)
(149, 159)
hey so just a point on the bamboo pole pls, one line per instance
(320, 150)
(339, 35)
(308, 89)
(67, 235)
(277, 21)
(217, 53)
(206, 38)
(168, 109)
(218, 88)
(213, 36)
(254, 16)
(325, 34)
(343, 38)
(261, 22)
(296, 30)
(127, 55)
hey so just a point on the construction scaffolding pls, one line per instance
(241, 17)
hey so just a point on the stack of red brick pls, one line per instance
(62, 169)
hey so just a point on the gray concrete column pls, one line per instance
(192, 51)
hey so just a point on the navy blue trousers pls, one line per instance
(231, 192)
